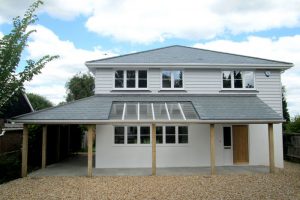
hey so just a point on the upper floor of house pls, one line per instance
(185, 70)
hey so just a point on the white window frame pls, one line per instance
(149, 125)
(243, 79)
(172, 79)
(125, 79)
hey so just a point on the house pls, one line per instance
(11, 134)
(178, 106)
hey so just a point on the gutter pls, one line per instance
(192, 65)
(109, 122)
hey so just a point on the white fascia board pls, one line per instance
(92, 66)
(266, 121)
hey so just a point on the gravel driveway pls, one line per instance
(285, 184)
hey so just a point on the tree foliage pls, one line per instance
(80, 86)
(294, 125)
(11, 48)
(285, 110)
(39, 102)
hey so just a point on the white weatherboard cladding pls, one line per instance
(270, 88)
(199, 81)
(196, 153)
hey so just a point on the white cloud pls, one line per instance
(51, 82)
(283, 48)
(62, 9)
(156, 20)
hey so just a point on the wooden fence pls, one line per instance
(291, 146)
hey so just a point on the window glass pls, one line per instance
(166, 79)
(189, 110)
(174, 111)
(131, 135)
(142, 78)
(130, 79)
(170, 135)
(131, 111)
(227, 136)
(177, 79)
(119, 135)
(119, 79)
(116, 111)
(226, 79)
(183, 135)
(238, 81)
(145, 111)
(159, 134)
(145, 134)
(160, 111)
(248, 79)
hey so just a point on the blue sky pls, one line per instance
(81, 30)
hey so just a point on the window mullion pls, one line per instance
(136, 78)
(176, 135)
(124, 110)
(125, 135)
(167, 111)
(138, 110)
(232, 79)
(172, 79)
(138, 134)
(152, 108)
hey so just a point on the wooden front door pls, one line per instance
(240, 144)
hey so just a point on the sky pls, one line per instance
(82, 30)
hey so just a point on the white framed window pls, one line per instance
(237, 79)
(141, 135)
(172, 79)
(131, 79)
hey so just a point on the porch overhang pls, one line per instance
(202, 109)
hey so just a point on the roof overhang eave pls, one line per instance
(283, 66)
(216, 121)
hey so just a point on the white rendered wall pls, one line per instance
(259, 145)
(196, 153)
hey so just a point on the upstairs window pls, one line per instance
(238, 79)
(130, 79)
(172, 79)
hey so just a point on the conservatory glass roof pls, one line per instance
(153, 111)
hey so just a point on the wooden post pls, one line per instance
(24, 151)
(271, 148)
(44, 146)
(90, 150)
(153, 149)
(212, 149)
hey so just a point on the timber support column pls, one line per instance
(90, 150)
(24, 151)
(271, 148)
(212, 149)
(44, 146)
(153, 149)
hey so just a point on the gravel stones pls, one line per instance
(284, 184)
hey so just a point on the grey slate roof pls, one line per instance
(182, 54)
(208, 107)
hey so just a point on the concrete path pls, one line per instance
(77, 166)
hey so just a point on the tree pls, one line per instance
(285, 110)
(11, 48)
(39, 102)
(294, 125)
(80, 86)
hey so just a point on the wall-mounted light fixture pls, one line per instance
(267, 73)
